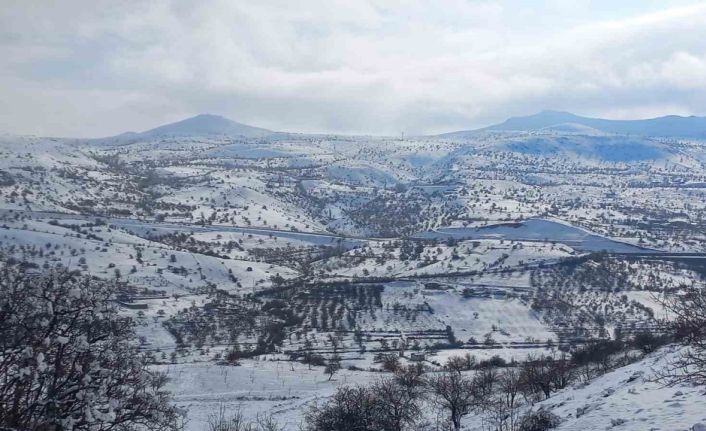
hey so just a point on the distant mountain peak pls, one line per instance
(667, 126)
(537, 121)
(207, 124)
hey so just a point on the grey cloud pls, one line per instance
(94, 69)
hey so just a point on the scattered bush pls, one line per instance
(540, 420)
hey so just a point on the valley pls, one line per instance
(250, 258)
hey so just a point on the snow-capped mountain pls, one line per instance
(207, 124)
(203, 125)
(667, 126)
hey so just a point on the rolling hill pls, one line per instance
(668, 126)
(203, 125)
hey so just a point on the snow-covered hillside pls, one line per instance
(249, 259)
(629, 398)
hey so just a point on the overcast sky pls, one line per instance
(88, 68)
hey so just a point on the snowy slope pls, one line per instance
(627, 399)
(605, 148)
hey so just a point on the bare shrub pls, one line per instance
(540, 420)
(689, 324)
(222, 421)
(236, 421)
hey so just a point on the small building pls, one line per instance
(417, 357)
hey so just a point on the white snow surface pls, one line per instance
(631, 398)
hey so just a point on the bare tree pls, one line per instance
(333, 365)
(69, 361)
(689, 324)
(397, 406)
(390, 362)
(349, 409)
(411, 377)
(454, 392)
(545, 375)
(485, 381)
(458, 363)
(503, 409)
(386, 405)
